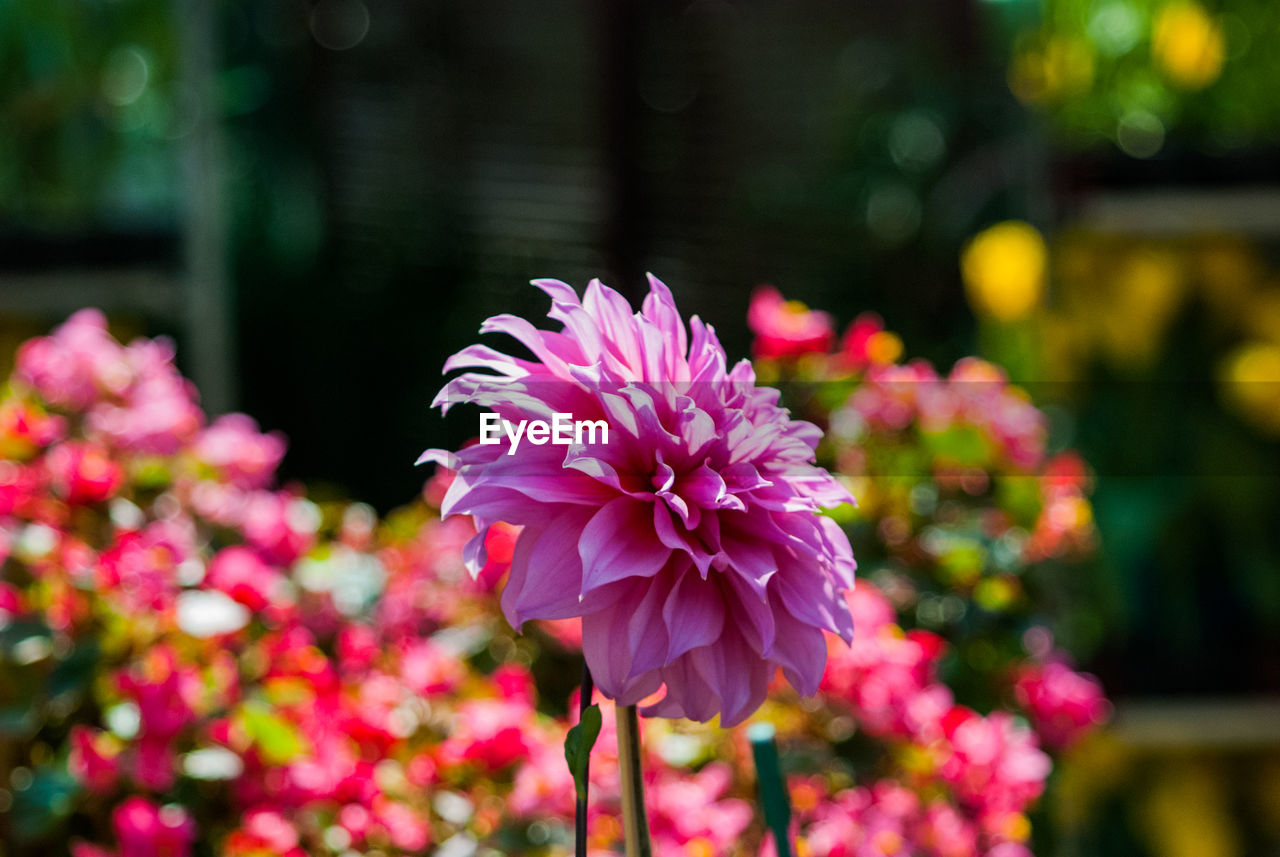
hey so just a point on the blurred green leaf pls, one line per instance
(965, 445)
(276, 738)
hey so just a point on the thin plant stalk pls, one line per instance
(580, 806)
(772, 786)
(635, 821)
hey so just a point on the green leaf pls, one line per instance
(276, 738)
(577, 747)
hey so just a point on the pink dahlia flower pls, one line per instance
(690, 541)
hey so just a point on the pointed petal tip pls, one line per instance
(655, 284)
(443, 457)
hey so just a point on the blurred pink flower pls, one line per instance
(161, 686)
(94, 759)
(1065, 525)
(281, 526)
(514, 681)
(886, 676)
(489, 733)
(976, 394)
(946, 832)
(22, 490)
(543, 784)
(987, 399)
(263, 831)
(83, 473)
(883, 819)
(861, 822)
(139, 570)
(692, 809)
(145, 829)
(239, 453)
(992, 762)
(405, 828)
(163, 690)
(357, 648)
(888, 399)
(157, 411)
(134, 396)
(427, 669)
(242, 574)
(1064, 705)
(10, 597)
(76, 364)
(1009, 849)
(154, 763)
(787, 328)
(690, 543)
(858, 346)
(79, 848)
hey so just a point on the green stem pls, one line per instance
(580, 807)
(773, 788)
(635, 821)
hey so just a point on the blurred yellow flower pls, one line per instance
(997, 594)
(1188, 44)
(1058, 67)
(1097, 765)
(1266, 795)
(1064, 347)
(1262, 314)
(1186, 813)
(1230, 269)
(1147, 292)
(1250, 379)
(1004, 270)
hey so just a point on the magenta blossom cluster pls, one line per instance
(691, 542)
(131, 396)
(989, 766)
(958, 501)
(787, 332)
(886, 819)
(975, 393)
(145, 829)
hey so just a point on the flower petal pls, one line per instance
(619, 542)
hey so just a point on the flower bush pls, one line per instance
(195, 660)
(943, 708)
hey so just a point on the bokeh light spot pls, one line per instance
(125, 76)
(339, 25)
(1140, 134)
